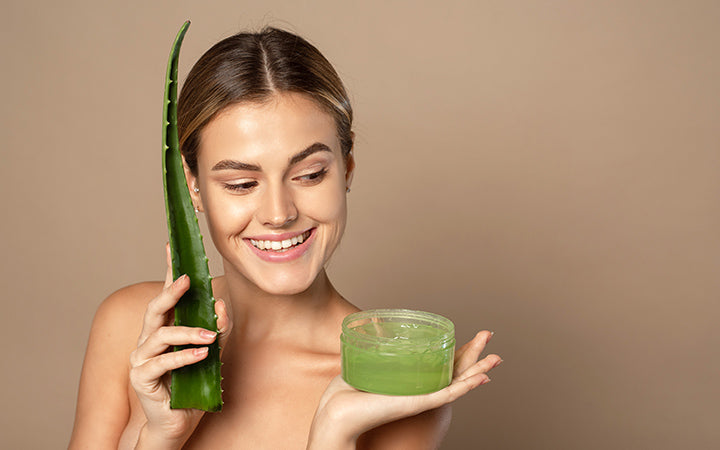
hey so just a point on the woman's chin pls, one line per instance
(283, 285)
(284, 290)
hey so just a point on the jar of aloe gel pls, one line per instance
(397, 351)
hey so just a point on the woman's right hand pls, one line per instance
(151, 363)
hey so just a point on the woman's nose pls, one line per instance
(277, 207)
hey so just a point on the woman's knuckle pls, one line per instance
(161, 334)
(150, 313)
(188, 356)
(166, 359)
(167, 333)
(160, 359)
(134, 376)
(133, 359)
(152, 306)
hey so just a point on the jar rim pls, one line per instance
(443, 324)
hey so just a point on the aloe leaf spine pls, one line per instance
(198, 385)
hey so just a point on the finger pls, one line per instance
(224, 322)
(483, 366)
(454, 391)
(148, 374)
(469, 353)
(458, 388)
(405, 406)
(482, 337)
(158, 342)
(157, 309)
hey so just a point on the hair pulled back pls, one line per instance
(254, 67)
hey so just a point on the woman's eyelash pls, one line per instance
(314, 176)
(309, 178)
(241, 186)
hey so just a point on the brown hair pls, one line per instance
(253, 67)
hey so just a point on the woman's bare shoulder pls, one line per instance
(118, 320)
(134, 295)
(128, 304)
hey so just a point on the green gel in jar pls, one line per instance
(397, 351)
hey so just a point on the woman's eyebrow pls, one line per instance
(231, 164)
(314, 148)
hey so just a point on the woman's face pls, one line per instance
(272, 183)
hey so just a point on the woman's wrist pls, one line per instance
(149, 439)
(328, 435)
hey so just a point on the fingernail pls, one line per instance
(485, 381)
(492, 333)
(497, 363)
(207, 334)
(200, 351)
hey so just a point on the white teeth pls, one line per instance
(280, 245)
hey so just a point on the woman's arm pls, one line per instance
(422, 431)
(117, 359)
(347, 418)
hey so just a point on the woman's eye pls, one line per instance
(312, 178)
(241, 187)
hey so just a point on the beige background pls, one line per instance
(545, 169)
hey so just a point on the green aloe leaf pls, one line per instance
(196, 386)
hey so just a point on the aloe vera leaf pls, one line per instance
(198, 385)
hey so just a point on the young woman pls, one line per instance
(265, 132)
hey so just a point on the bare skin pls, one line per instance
(279, 319)
(275, 414)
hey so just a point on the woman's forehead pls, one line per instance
(282, 126)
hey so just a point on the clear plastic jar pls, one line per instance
(397, 351)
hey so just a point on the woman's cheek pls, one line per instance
(228, 218)
(324, 206)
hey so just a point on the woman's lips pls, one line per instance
(282, 247)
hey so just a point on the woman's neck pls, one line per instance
(258, 315)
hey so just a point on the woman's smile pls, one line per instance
(282, 247)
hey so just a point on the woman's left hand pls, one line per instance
(345, 412)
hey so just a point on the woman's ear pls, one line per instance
(350, 164)
(194, 187)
